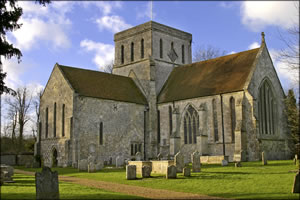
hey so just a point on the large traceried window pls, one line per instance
(267, 109)
(191, 126)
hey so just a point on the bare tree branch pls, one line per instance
(207, 52)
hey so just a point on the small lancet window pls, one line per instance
(160, 48)
(54, 120)
(47, 125)
(191, 126)
(182, 51)
(215, 120)
(63, 121)
(101, 133)
(232, 116)
(132, 51)
(170, 120)
(142, 48)
(122, 54)
(158, 126)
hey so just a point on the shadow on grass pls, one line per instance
(258, 195)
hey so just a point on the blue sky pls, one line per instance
(80, 34)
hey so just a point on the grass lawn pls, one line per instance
(24, 188)
(251, 181)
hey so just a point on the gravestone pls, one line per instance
(296, 186)
(91, 159)
(224, 163)
(171, 172)
(159, 156)
(99, 165)
(138, 156)
(7, 168)
(186, 171)
(126, 161)
(238, 164)
(295, 159)
(196, 165)
(130, 172)
(91, 168)
(83, 165)
(264, 158)
(6, 178)
(179, 161)
(146, 171)
(46, 184)
(119, 161)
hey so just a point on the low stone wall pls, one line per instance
(213, 159)
(8, 159)
(13, 159)
(139, 165)
(161, 166)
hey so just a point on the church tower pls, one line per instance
(148, 53)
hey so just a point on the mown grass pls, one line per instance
(24, 188)
(251, 181)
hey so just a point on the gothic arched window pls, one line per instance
(267, 109)
(232, 117)
(160, 48)
(101, 133)
(122, 54)
(63, 121)
(142, 48)
(215, 120)
(191, 126)
(47, 125)
(132, 51)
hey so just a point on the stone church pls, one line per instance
(157, 101)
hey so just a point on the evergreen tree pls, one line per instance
(292, 112)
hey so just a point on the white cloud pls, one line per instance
(112, 23)
(105, 7)
(232, 52)
(104, 53)
(258, 14)
(254, 45)
(225, 4)
(41, 23)
(13, 71)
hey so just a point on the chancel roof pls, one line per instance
(215, 76)
(103, 85)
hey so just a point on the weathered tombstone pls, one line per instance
(130, 172)
(159, 156)
(91, 167)
(179, 161)
(91, 159)
(126, 161)
(238, 164)
(196, 162)
(295, 159)
(296, 186)
(83, 165)
(146, 171)
(119, 161)
(171, 172)
(6, 177)
(99, 165)
(7, 168)
(138, 156)
(224, 163)
(264, 158)
(186, 171)
(46, 183)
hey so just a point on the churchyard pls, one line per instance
(252, 180)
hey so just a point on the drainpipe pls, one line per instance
(222, 125)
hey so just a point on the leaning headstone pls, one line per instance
(179, 161)
(186, 171)
(83, 165)
(119, 161)
(171, 172)
(138, 156)
(130, 172)
(296, 186)
(238, 164)
(91, 168)
(6, 177)
(46, 183)
(159, 156)
(196, 162)
(264, 158)
(7, 168)
(146, 171)
(224, 163)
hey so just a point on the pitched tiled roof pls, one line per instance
(215, 76)
(103, 85)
